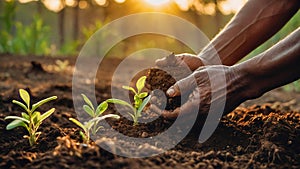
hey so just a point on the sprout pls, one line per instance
(96, 117)
(31, 119)
(140, 100)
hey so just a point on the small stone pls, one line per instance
(145, 134)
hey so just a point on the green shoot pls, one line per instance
(96, 117)
(140, 100)
(31, 119)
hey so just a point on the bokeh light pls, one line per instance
(120, 1)
(71, 3)
(184, 5)
(157, 2)
(53, 5)
(230, 6)
(101, 2)
(26, 1)
(83, 4)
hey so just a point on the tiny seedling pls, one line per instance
(61, 65)
(30, 119)
(96, 117)
(140, 100)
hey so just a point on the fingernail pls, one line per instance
(170, 92)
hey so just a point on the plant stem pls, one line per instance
(32, 137)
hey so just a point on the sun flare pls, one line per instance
(157, 2)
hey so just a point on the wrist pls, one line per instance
(247, 82)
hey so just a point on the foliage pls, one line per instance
(30, 119)
(69, 48)
(96, 117)
(28, 39)
(140, 100)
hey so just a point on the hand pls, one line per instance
(226, 84)
(185, 59)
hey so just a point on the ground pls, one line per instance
(262, 133)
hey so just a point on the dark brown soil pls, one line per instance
(263, 135)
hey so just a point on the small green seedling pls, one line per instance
(140, 100)
(61, 65)
(96, 117)
(30, 119)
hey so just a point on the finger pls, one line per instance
(190, 106)
(166, 61)
(182, 87)
(186, 109)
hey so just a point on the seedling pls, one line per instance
(96, 117)
(30, 119)
(140, 100)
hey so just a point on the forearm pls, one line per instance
(256, 22)
(273, 68)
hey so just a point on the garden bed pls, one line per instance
(264, 133)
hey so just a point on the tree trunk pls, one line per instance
(61, 27)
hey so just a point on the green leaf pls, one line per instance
(140, 83)
(16, 123)
(132, 116)
(88, 101)
(119, 101)
(78, 123)
(84, 137)
(145, 101)
(143, 95)
(36, 116)
(88, 110)
(17, 118)
(129, 88)
(101, 108)
(98, 129)
(25, 115)
(25, 97)
(20, 104)
(38, 104)
(46, 114)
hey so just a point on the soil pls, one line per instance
(262, 133)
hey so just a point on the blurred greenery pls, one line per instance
(26, 39)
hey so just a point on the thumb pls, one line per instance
(182, 87)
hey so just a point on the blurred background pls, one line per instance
(61, 27)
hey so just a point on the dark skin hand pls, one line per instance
(255, 23)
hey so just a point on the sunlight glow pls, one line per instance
(157, 2)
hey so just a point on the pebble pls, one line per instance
(145, 134)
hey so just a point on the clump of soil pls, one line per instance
(159, 80)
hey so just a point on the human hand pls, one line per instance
(209, 87)
(184, 59)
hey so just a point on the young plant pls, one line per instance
(96, 117)
(140, 100)
(30, 119)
